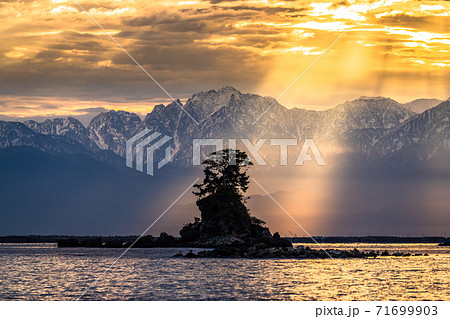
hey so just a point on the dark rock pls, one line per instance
(335, 253)
(165, 240)
(260, 250)
(191, 232)
(190, 255)
(225, 221)
(447, 243)
(222, 241)
(259, 246)
(223, 214)
(178, 255)
(355, 253)
(277, 241)
(224, 251)
(203, 254)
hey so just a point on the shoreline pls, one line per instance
(295, 240)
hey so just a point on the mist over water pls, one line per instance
(52, 196)
(336, 201)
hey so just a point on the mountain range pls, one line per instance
(367, 128)
(60, 176)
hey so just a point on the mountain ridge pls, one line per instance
(356, 125)
(391, 163)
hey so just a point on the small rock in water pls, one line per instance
(178, 255)
(385, 253)
(190, 255)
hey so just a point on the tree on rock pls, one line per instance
(225, 169)
(225, 220)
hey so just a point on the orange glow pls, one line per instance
(190, 46)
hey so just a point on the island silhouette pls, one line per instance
(226, 224)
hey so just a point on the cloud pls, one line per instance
(192, 47)
(92, 110)
(219, 1)
(424, 23)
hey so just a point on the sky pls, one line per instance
(56, 61)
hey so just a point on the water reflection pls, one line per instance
(42, 272)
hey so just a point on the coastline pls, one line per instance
(294, 240)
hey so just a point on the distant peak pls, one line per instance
(364, 102)
(119, 112)
(423, 99)
(223, 90)
(369, 100)
(374, 98)
(228, 89)
(175, 102)
(56, 120)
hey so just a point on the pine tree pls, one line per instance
(225, 220)
(221, 200)
(225, 169)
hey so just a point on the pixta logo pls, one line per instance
(147, 142)
(281, 143)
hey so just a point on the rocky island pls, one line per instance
(226, 224)
(225, 220)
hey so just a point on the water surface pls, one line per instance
(44, 272)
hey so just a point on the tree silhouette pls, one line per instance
(221, 200)
(225, 169)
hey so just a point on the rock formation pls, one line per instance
(225, 220)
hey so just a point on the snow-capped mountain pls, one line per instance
(228, 113)
(68, 127)
(60, 174)
(423, 135)
(367, 127)
(355, 126)
(110, 130)
(18, 134)
(366, 113)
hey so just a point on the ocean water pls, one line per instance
(44, 272)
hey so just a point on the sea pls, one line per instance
(45, 272)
